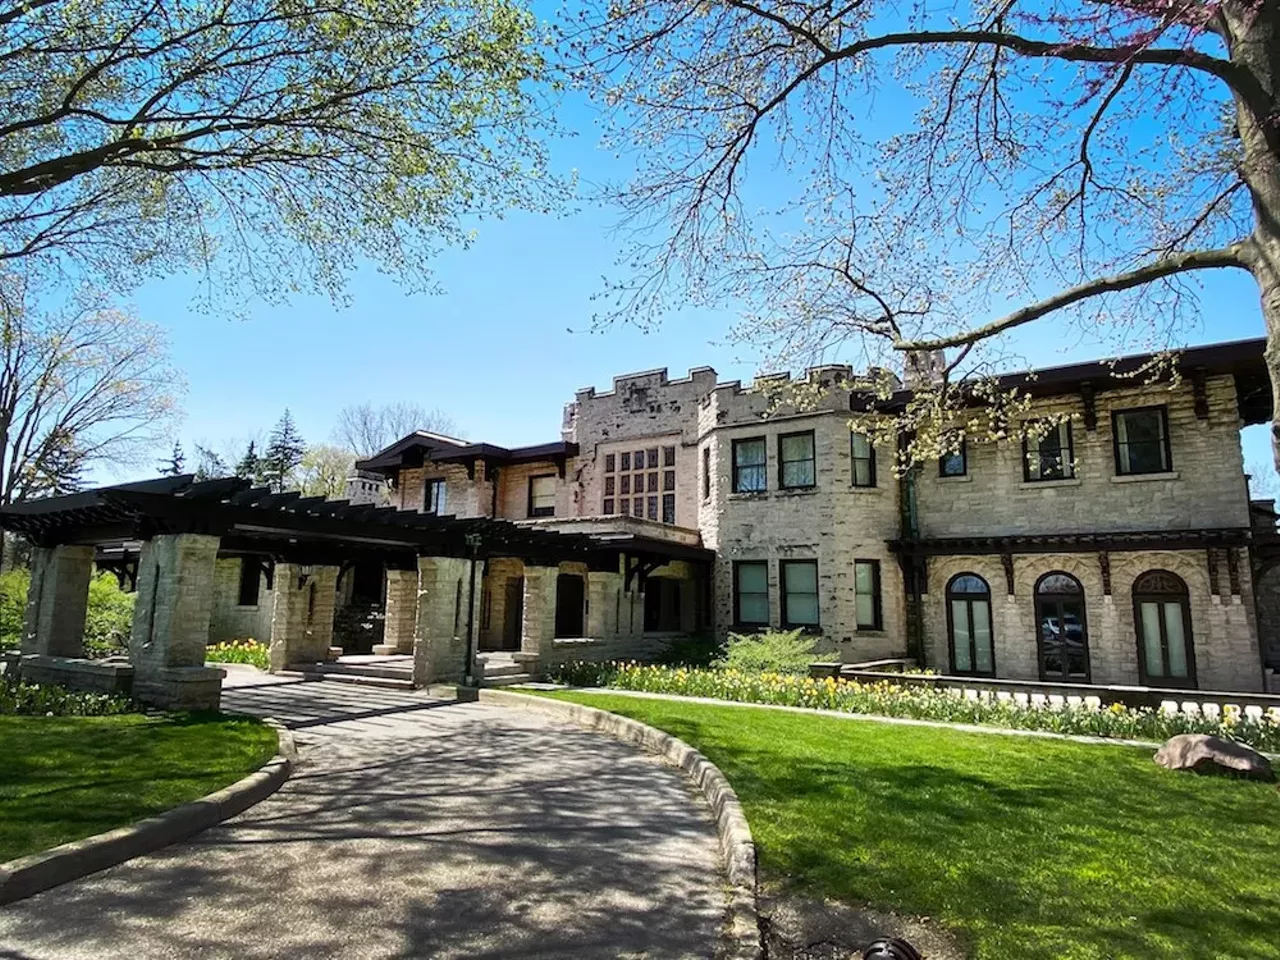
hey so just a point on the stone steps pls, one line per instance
(506, 679)
(508, 668)
(360, 675)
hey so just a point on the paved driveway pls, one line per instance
(413, 828)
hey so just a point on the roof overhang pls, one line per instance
(1073, 542)
(414, 453)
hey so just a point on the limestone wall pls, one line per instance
(1206, 487)
(1223, 628)
(229, 620)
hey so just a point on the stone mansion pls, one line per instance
(1122, 548)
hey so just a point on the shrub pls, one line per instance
(698, 650)
(107, 621)
(13, 606)
(39, 700)
(247, 650)
(885, 698)
(109, 618)
(778, 651)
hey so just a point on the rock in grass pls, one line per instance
(1206, 754)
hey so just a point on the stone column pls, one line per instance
(57, 601)
(401, 613)
(602, 594)
(538, 626)
(302, 614)
(439, 640)
(171, 623)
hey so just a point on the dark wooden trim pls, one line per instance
(1138, 540)
(1233, 571)
(782, 593)
(969, 599)
(1090, 400)
(1200, 392)
(1006, 561)
(1183, 597)
(1044, 602)
(813, 448)
(1104, 568)
(1163, 410)
(1211, 560)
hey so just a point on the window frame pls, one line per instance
(738, 622)
(969, 599)
(1068, 464)
(763, 466)
(531, 510)
(1189, 682)
(427, 485)
(870, 460)
(877, 594)
(1166, 446)
(1040, 599)
(813, 459)
(786, 621)
(964, 463)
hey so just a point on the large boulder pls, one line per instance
(1206, 754)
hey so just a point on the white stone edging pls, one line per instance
(31, 874)
(742, 935)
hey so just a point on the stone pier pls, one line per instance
(401, 612)
(440, 639)
(538, 626)
(57, 600)
(302, 614)
(171, 623)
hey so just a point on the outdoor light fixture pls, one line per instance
(890, 948)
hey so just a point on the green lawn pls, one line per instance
(64, 778)
(1036, 849)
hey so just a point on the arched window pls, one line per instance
(1162, 615)
(969, 626)
(1063, 629)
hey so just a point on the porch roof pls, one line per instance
(256, 520)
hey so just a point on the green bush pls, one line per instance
(698, 650)
(885, 698)
(239, 651)
(778, 651)
(39, 700)
(107, 621)
(13, 606)
(109, 618)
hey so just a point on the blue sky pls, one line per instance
(507, 343)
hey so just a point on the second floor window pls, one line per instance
(749, 470)
(542, 496)
(864, 460)
(433, 497)
(1141, 441)
(954, 463)
(706, 473)
(1051, 457)
(796, 466)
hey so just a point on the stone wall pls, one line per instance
(1223, 629)
(229, 620)
(1206, 487)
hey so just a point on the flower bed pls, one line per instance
(239, 651)
(890, 700)
(45, 700)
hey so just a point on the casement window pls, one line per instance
(863, 456)
(542, 496)
(954, 463)
(608, 506)
(250, 582)
(668, 480)
(652, 508)
(1141, 439)
(969, 626)
(866, 584)
(652, 455)
(669, 508)
(1052, 457)
(751, 593)
(706, 473)
(799, 579)
(1162, 613)
(625, 461)
(797, 469)
(433, 497)
(668, 456)
(750, 473)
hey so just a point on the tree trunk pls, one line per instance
(1253, 41)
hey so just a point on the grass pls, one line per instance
(1033, 849)
(65, 778)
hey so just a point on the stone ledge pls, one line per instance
(742, 937)
(30, 875)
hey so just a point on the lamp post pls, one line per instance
(473, 549)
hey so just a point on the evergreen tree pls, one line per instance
(284, 453)
(175, 463)
(250, 465)
(210, 466)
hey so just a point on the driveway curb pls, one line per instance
(29, 875)
(742, 935)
